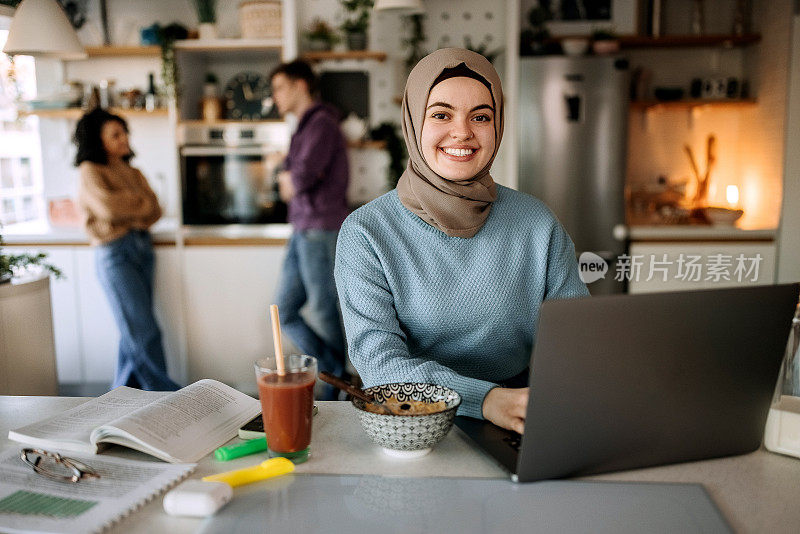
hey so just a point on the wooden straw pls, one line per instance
(276, 337)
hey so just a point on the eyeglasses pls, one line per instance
(57, 467)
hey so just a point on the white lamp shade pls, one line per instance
(41, 29)
(409, 6)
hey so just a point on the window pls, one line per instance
(21, 182)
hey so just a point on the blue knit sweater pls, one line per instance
(420, 306)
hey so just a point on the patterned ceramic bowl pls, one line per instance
(409, 436)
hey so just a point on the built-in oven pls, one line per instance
(229, 172)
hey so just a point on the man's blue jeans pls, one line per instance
(307, 280)
(125, 270)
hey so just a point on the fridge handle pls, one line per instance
(573, 103)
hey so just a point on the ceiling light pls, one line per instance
(41, 29)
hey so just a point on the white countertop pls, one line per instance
(165, 231)
(698, 232)
(42, 233)
(756, 492)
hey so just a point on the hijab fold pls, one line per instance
(459, 208)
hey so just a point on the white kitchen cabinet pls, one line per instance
(228, 290)
(679, 266)
(66, 323)
(98, 331)
(86, 336)
(168, 296)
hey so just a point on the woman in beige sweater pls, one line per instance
(119, 207)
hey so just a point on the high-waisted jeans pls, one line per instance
(307, 282)
(125, 269)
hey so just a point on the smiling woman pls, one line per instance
(458, 137)
(441, 280)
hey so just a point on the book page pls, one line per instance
(71, 430)
(187, 424)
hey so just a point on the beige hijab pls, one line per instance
(457, 208)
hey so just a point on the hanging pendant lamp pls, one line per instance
(40, 28)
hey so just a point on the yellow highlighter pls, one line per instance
(273, 467)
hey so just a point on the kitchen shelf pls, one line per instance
(225, 122)
(685, 41)
(338, 56)
(123, 51)
(691, 104)
(367, 145)
(77, 113)
(225, 45)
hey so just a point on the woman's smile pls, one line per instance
(459, 153)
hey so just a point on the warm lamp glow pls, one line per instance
(732, 195)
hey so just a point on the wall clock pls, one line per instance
(245, 94)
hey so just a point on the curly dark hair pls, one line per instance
(87, 136)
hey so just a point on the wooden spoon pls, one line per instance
(347, 387)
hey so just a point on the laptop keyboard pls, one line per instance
(513, 441)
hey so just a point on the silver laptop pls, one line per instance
(627, 381)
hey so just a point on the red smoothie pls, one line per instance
(286, 404)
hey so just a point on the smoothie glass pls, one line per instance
(286, 404)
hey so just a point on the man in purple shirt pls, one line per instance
(314, 184)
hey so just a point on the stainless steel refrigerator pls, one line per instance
(573, 139)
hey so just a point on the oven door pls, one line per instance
(228, 185)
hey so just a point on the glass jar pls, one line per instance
(782, 433)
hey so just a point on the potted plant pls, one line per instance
(356, 22)
(604, 42)
(413, 43)
(14, 264)
(167, 36)
(321, 36)
(207, 16)
(482, 49)
(27, 355)
(533, 40)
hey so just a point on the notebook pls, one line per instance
(626, 381)
(32, 502)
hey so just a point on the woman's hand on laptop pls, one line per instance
(506, 407)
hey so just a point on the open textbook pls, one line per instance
(178, 427)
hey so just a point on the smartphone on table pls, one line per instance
(254, 428)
